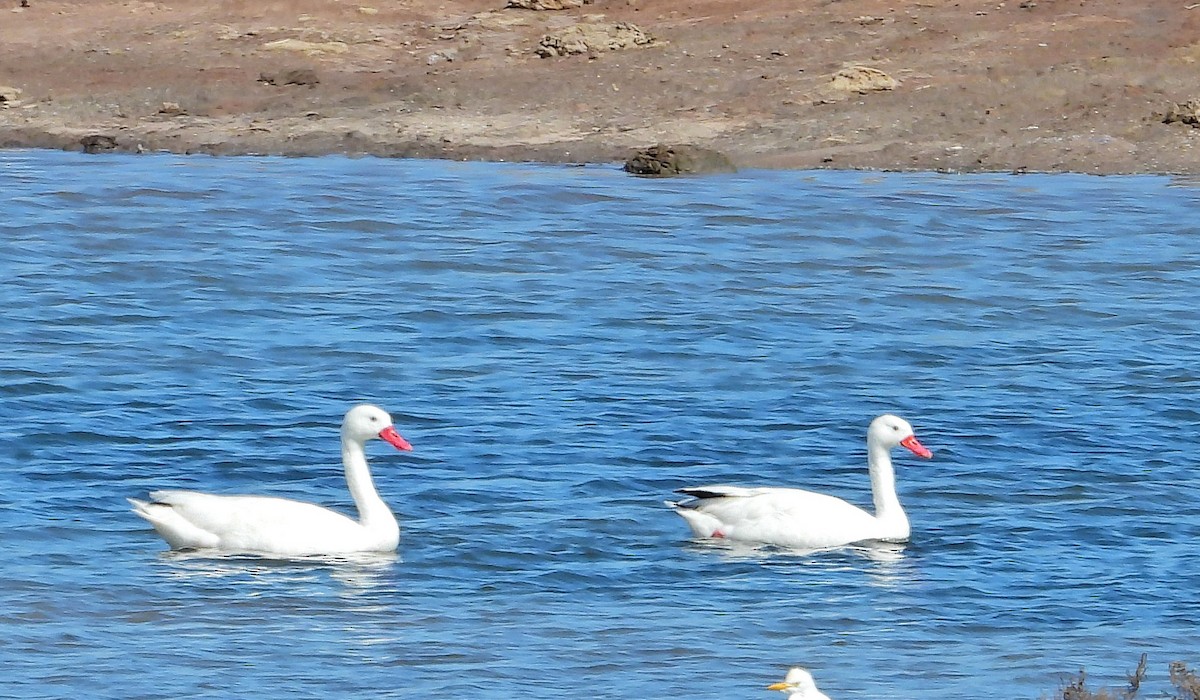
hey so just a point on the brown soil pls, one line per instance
(1039, 85)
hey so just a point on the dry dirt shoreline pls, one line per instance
(1013, 85)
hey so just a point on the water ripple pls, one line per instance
(565, 346)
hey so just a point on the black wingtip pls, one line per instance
(699, 493)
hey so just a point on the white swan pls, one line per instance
(799, 685)
(800, 519)
(280, 526)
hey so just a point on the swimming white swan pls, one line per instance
(800, 519)
(799, 685)
(280, 526)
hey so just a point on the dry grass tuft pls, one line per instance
(1187, 684)
(1185, 681)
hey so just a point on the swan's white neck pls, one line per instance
(373, 513)
(888, 511)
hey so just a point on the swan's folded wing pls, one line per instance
(208, 512)
(782, 516)
(221, 513)
(704, 511)
(247, 523)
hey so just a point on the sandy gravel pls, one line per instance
(1019, 85)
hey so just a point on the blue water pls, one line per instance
(563, 347)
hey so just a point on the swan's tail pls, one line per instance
(142, 508)
(173, 526)
(701, 524)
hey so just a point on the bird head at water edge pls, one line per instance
(799, 685)
(365, 422)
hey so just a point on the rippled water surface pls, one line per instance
(563, 347)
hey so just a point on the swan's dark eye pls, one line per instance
(374, 419)
(895, 428)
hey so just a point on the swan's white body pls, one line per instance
(280, 526)
(799, 685)
(799, 519)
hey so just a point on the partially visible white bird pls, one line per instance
(799, 685)
(799, 519)
(281, 526)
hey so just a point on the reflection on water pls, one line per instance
(892, 568)
(883, 552)
(358, 572)
(889, 566)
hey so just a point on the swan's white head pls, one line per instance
(366, 422)
(799, 685)
(889, 431)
